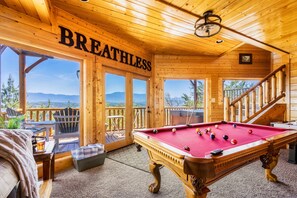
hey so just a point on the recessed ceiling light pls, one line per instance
(219, 41)
(84, 0)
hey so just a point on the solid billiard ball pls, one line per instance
(234, 125)
(225, 137)
(155, 131)
(233, 141)
(216, 126)
(250, 131)
(212, 136)
(197, 130)
(187, 148)
(173, 130)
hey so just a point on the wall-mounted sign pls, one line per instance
(79, 41)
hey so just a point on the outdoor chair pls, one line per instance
(67, 124)
(11, 113)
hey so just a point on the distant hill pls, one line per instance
(42, 97)
(112, 98)
(119, 97)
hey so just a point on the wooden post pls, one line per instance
(233, 116)
(266, 96)
(260, 96)
(22, 82)
(273, 87)
(239, 111)
(281, 82)
(247, 107)
(253, 102)
(226, 108)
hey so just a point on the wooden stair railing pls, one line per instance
(257, 99)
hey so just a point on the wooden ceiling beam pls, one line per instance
(43, 9)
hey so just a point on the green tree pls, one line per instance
(10, 94)
(197, 88)
(238, 84)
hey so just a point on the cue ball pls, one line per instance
(187, 148)
(233, 141)
(250, 131)
(234, 125)
(155, 131)
(174, 130)
(225, 137)
(216, 126)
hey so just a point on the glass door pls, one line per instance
(115, 107)
(140, 105)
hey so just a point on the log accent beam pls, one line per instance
(28, 69)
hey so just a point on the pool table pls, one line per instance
(200, 154)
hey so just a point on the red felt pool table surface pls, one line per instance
(202, 145)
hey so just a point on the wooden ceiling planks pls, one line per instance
(167, 26)
(29, 8)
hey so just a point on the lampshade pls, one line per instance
(208, 25)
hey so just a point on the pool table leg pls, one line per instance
(155, 170)
(269, 161)
(197, 189)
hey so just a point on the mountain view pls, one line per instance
(60, 100)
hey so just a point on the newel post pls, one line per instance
(226, 109)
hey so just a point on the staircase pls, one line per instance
(258, 99)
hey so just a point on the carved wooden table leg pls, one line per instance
(198, 190)
(269, 161)
(154, 168)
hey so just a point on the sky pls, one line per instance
(55, 76)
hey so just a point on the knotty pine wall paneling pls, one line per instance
(213, 70)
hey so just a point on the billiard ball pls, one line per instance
(173, 130)
(225, 137)
(250, 131)
(206, 131)
(155, 131)
(212, 136)
(233, 141)
(200, 133)
(209, 129)
(187, 148)
(216, 126)
(197, 130)
(234, 125)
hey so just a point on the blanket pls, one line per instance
(14, 149)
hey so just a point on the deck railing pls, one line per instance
(167, 113)
(139, 115)
(232, 94)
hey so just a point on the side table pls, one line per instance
(48, 160)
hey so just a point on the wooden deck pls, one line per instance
(67, 145)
